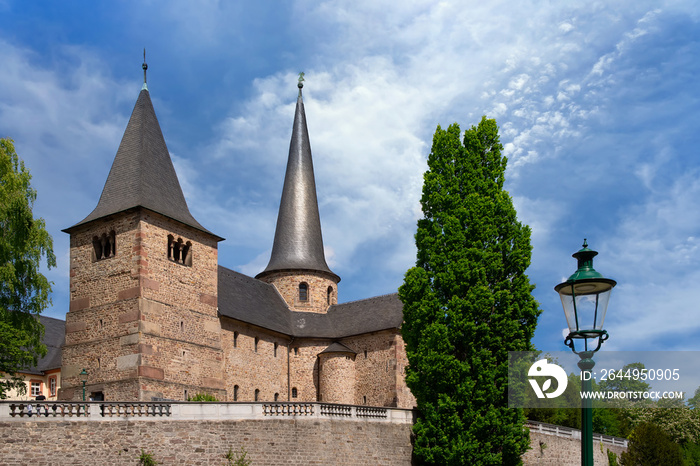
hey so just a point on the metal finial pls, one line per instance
(300, 84)
(145, 67)
(585, 243)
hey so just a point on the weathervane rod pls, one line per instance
(145, 67)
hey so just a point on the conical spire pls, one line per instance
(298, 243)
(142, 173)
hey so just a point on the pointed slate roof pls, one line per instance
(142, 173)
(258, 303)
(298, 243)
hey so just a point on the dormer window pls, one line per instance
(104, 246)
(303, 292)
(179, 251)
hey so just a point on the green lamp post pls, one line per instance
(83, 378)
(585, 296)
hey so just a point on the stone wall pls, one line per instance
(268, 442)
(318, 298)
(140, 322)
(202, 433)
(549, 450)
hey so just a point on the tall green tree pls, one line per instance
(467, 302)
(24, 291)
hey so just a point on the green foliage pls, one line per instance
(202, 397)
(649, 445)
(146, 459)
(677, 420)
(237, 458)
(612, 458)
(24, 291)
(691, 454)
(694, 401)
(467, 302)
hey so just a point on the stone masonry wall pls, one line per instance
(268, 442)
(141, 318)
(549, 450)
(287, 284)
(249, 368)
(337, 378)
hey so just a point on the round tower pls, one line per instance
(336, 374)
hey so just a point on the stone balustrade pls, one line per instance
(568, 432)
(200, 411)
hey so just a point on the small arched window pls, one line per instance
(180, 251)
(235, 393)
(294, 392)
(104, 246)
(257, 340)
(329, 295)
(303, 292)
(257, 394)
(276, 345)
(296, 351)
(277, 396)
(235, 339)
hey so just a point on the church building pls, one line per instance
(154, 316)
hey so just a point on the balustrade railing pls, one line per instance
(175, 410)
(49, 409)
(368, 411)
(288, 409)
(112, 409)
(568, 432)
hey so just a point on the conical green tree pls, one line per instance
(467, 302)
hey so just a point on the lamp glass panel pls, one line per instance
(591, 309)
(567, 302)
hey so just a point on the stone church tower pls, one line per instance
(297, 265)
(143, 282)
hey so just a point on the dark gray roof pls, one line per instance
(250, 300)
(142, 173)
(258, 303)
(54, 338)
(298, 243)
(336, 347)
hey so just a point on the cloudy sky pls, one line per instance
(597, 103)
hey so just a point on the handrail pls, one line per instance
(569, 432)
(180, 410)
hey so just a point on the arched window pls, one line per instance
(364, 400)
(329, 295)
(235, 339)
(277, 396)
(180, 251)
(257, 394)
(294, 392)
(303, 292)
(276, 345)
(235, 393)
(104, 246)
(256, 344)
(296, 351)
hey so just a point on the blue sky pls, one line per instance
(597, 103)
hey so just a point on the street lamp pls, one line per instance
(83, 378)
(585, 296)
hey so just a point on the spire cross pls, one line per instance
(145, 67)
